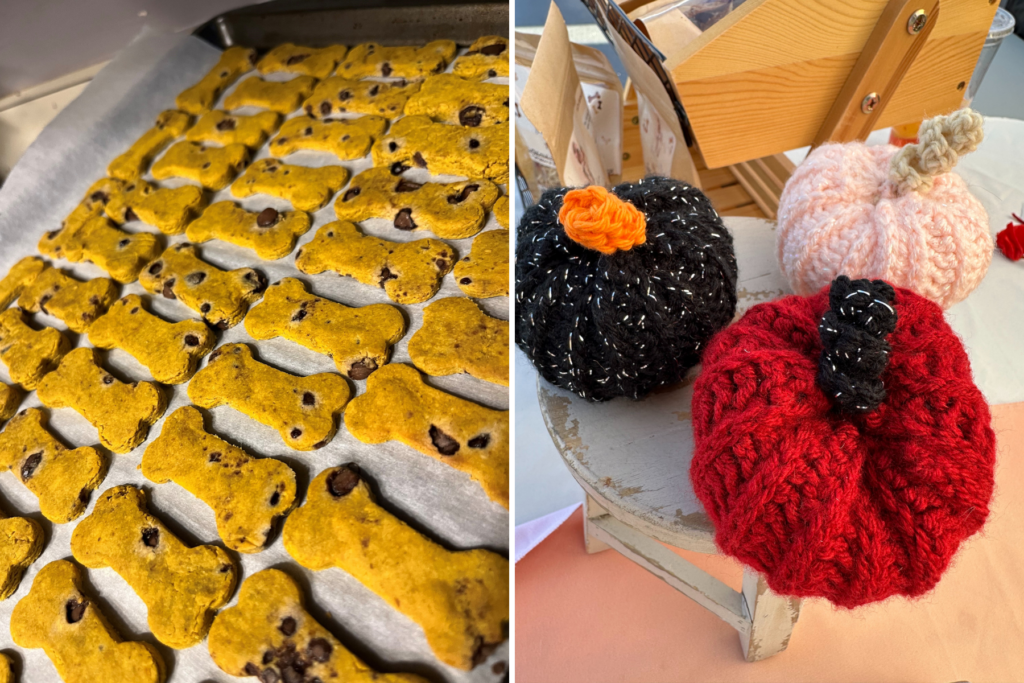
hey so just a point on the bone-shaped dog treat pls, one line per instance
(358, 339)
(283, 97)
(10, 399)
(76, 304)
(60, 478)
(201, 97)
(303, 409)
(487, 57)
(119, 253)
(246, 494)
(134, 162)
(169, 209)
(223, 128)
(501, 211)
(484, 273)
(221, 297)
(59, 617)
(121, 413)
(181, 586)
(291, 58)
(343, 95)
(308, 189)
(29, 353)
(170, 351)
(399, 406)
(444, 150)
(6, 669)
(346, 139)
(371, 59)
(409, 272)
(449, 99)
(461, 601)
(270, 233)
(449, 210)
(22, 544)
(93, 204)
(457, 336)
(212, 167)
(18, 277)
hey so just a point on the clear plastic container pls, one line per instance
(1002, 26)
(703, 13)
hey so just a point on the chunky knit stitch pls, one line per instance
(623, 324)
(599, 220)
(850, 507)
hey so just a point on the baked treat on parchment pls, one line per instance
(308, 189)
(297, 59)
(346, 139)
(270, 233)
(201, 97)
(168, 209)
(77, 304)
(222, 128)
(340, 95)
(449, 99)
(27, 352)
(135, 161)
(372, 59)
(284, 97)
(486, 58)
(484, 272)
(457, 336)
(444, 150)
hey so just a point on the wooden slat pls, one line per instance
(760, 190)
(716, 177)
(751, 209)
(725, 198)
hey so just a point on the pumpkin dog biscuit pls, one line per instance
(201, 97)
(308, 189)
(346, 139)
(371, 59)
(60, 478)
(409, 272)
(296, 59)
(303, 410)
(121, 413)
(10, 399)
(398, 405)
(245, 493)
(134, 162)
(93, 204)
(358, 339)
(29, 353)
(21, 543)
(283, 97)
(270, 233)
(269, 635)
(457, 336)
(119, 253)
(444, 150)
(222, 128)
(343, 95)
(501, 211)
(487, 57)
(170, 351)
(181, 586)
(59, 617)
(212, 167)
(6, 670)
(449, 99)
(449, 210)
(76, 304)
(220, 297)
(168, 209)
(459, 597)
(18, 277)
(484, 273)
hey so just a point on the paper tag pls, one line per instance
(606, 124)
(656, 139)
(583, 163)
(545, 169)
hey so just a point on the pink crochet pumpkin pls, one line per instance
(888, 213)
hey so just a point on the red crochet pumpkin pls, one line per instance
(835, 497)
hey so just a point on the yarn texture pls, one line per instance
(597, 219)
(622, 324)
(852, 507)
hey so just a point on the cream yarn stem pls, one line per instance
(941, 142)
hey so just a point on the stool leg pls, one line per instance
(772, 618)
(592, 510)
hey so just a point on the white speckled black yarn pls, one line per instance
(622, 325)
(855, 353)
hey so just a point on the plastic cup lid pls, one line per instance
(1002, 24)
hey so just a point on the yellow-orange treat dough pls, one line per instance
(271, 636)
(169, 209)
(486, 58)
(134, 163)
(501, 211)
(170, 351)
(20, 275)
(340, 95)
(484, 273)
(93, 204)
(346, 139)
(457, 336)
(444, 150)
(296, 59)
(21, 543)
(459, 597)
(201, 97)
(29, 353)
(60, 478)
(358, 339)
(212, 167)
(371, 59)
(308, 189)
(399, 406)
(121, 413)
(10, 399)
(303, 409)
(220, 297)
(409, 272)
(76, 304)
(449, 210)
(119, 253)
(223, 128)
(283, 97)
(59, 617)
(270, 233)
(6, 670)
(450, 99)
(182, 587)
(246, 494)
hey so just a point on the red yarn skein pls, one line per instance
(852, 508)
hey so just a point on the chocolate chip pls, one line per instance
(465, 281)
(392, 146)
(295, 59)
(155, 268)
(351, 194)
(269, 676)
(207, 165)
(299, 315)
(215, 456)
(287, 626)
(471, 116)
(205, 308)
(251, 669)
(341, 481)
(491, 73)
(374, 90)
(222, 325)
(258, 279)
(169, 289)
(319, 650)
(151, 537)
(498, 668)
(462, 196)
(134, 310)
(344, 95)
(45, 299)
(482, 650)
(398, 168)
(28, 467)
(191, 340)
(473, 143)
(296, 433)
(361, 369)
(94, 300)
(130, 215)
(75, 610)
(420, 161)
(493, 50)
(441, 264)
(99, 197)
(195, 278)
(83, 496)
(275, 498)
(291, 675)
(267, 217)
(226, 124)
(308, 131)
(505, 102)
(325, 108)
(404, 221)
(268, 657)
(123, 243)
(107, 379)
(444, 444)
(407, 186)
(479, 441)
(385, 69)
(308, 399)
(385, 275)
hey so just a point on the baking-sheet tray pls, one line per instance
(51, 178)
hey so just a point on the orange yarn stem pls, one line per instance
(597, 219)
